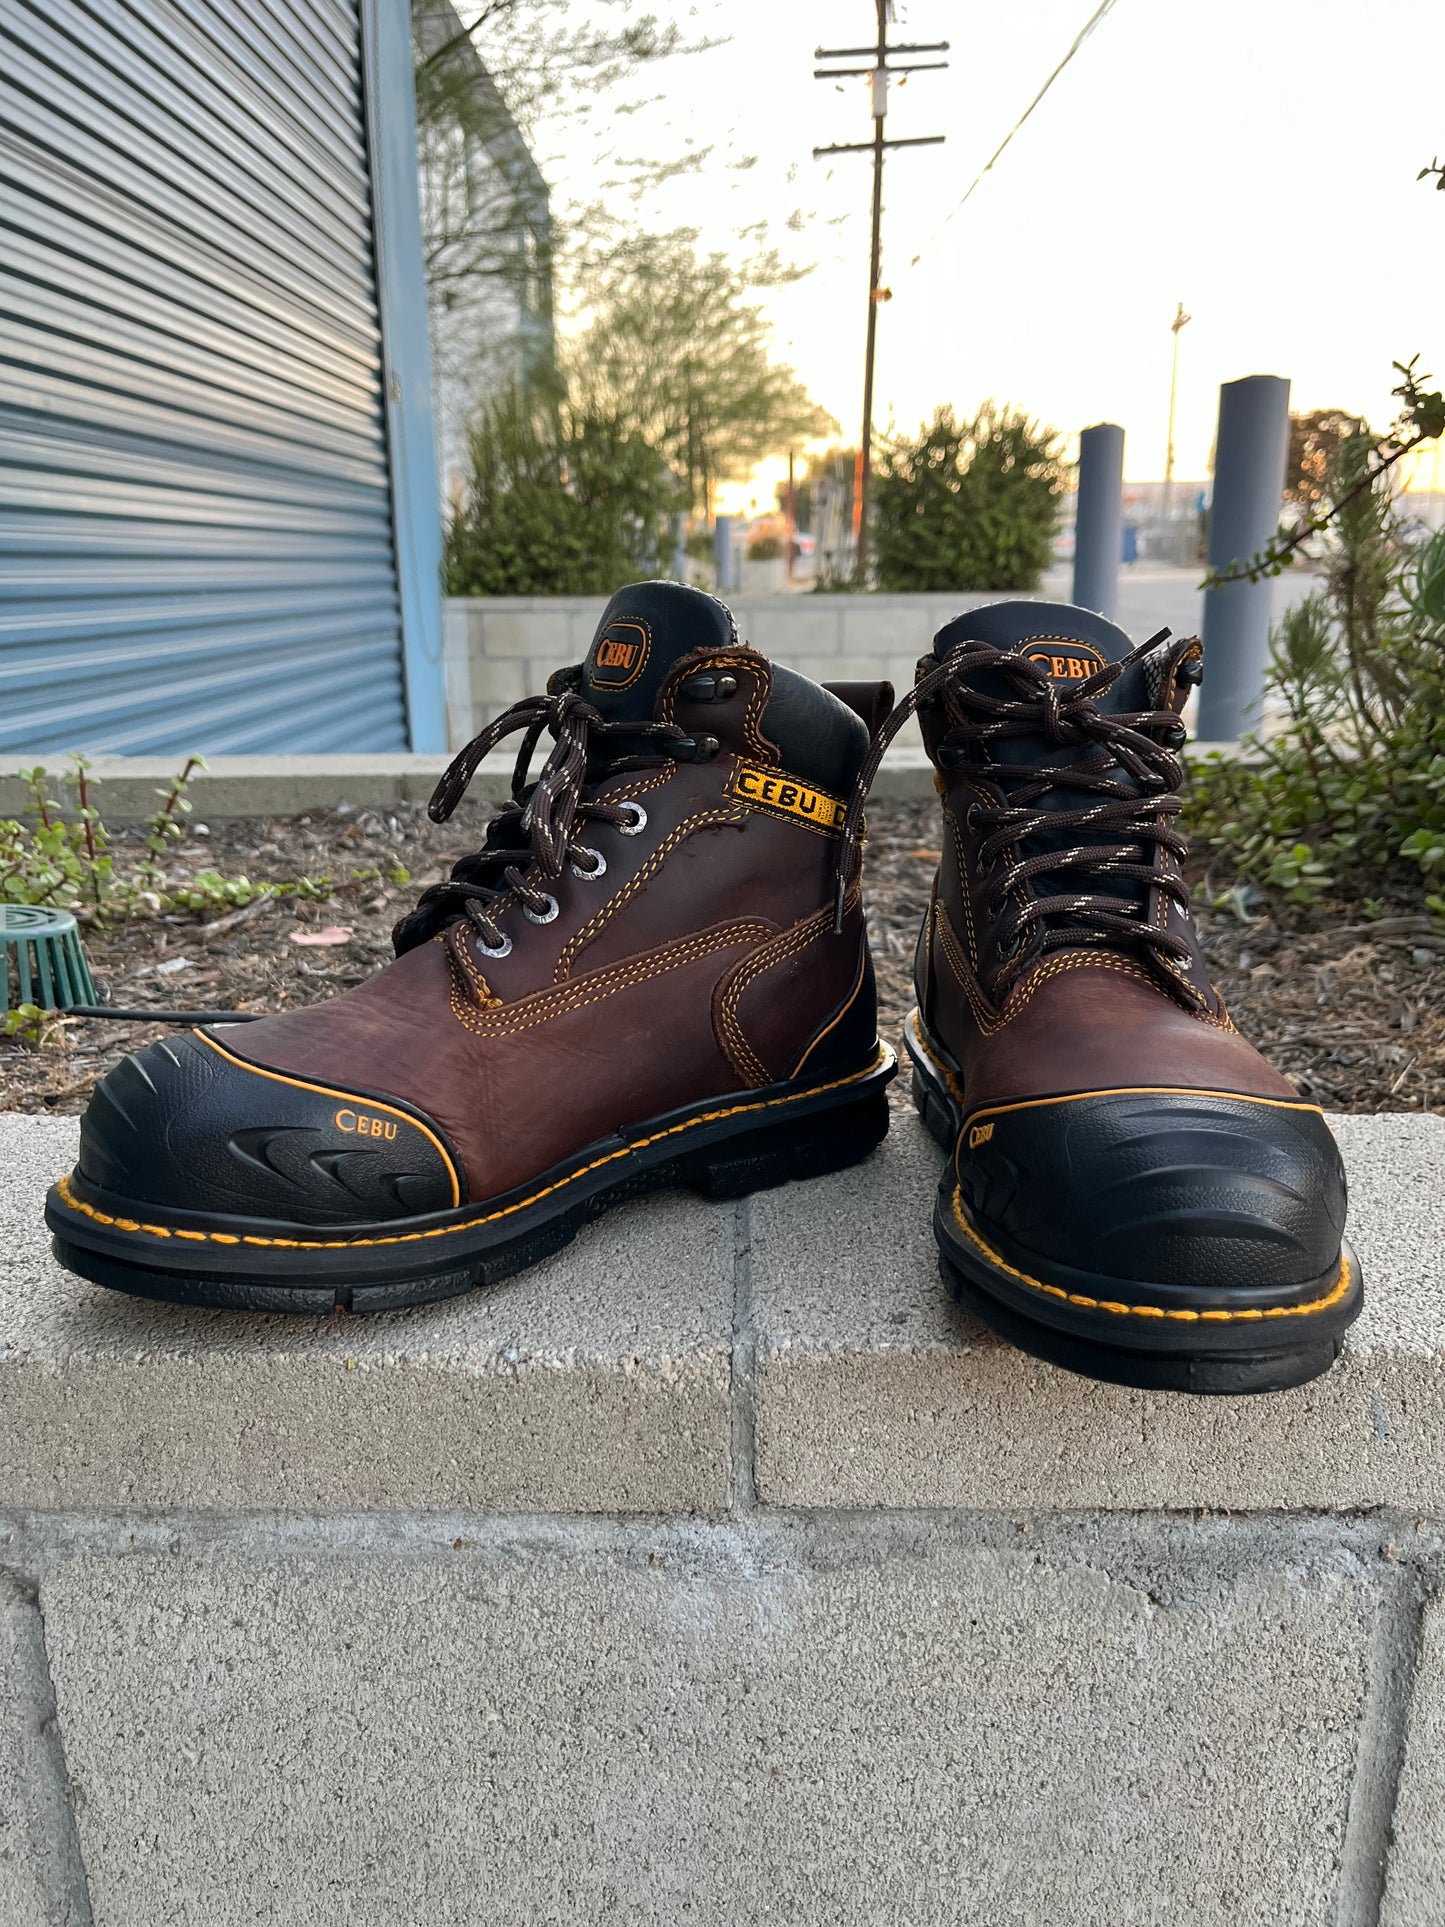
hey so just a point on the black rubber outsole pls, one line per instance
(720, 1150)
(1051, 1324)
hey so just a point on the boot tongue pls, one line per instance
(644, 630)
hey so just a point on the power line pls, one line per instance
(1089, 25)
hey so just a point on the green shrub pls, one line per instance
(1352, 787)
(558, 503)
(765, 548)
(61, 858)
(967, 505)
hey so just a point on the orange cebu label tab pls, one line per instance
(784, 795)
(1062, 659)
(619, 654)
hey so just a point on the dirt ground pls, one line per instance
(1353, 1013)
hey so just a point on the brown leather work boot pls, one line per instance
(1134, 1192)
(635, 982)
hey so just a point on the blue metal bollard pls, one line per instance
(1249, 464)
(1098, 518)
(726, 547)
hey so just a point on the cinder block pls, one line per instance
(521, 633)
(668, 1725)
(33, 1876)
(874, 1389)
(496, 683)
(596, 1382)
(1415, 1881)
(877, 627)
(791, 631)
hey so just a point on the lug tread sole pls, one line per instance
(838, 1131)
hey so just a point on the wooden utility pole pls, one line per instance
(878, 75)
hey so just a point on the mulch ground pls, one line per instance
(1353, 1013)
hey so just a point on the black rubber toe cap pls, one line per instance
(183, 1127)
(1175, 1189)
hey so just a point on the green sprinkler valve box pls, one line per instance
(41, 959)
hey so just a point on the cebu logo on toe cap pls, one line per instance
(619, 654)
(1062, 659)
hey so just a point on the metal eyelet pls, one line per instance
(541, 916)
(639, 818)
(599, 864)
(502, 949)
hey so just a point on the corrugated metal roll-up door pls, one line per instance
(196, 529)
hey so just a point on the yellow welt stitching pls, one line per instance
(1332, 1297)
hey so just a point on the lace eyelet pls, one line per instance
(542, 916)
(503, 949)
(970, 817)
(599, 865)
(639, 818)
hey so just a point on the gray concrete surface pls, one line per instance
(714, 1572)
(684, 1726)
(601, 1380)
(40, 1884)
(1415, 1894)
(597, 1382)
(874, 1390)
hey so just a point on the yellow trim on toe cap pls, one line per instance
(881, 1057)
(324, 1090)
(1337, 1291)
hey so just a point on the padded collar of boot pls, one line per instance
(644, 630)
(1069, 644)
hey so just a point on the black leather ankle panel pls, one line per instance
(818, 736)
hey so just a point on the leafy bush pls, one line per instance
(967, 505)
(1352, 786)
(765, 548)
(558, 503)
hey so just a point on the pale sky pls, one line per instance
(1255, 159)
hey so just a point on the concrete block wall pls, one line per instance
(717, 1570)
(511, 645)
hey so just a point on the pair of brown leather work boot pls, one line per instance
(656, 971)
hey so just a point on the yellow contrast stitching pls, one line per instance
(1145, 1090)
(852, 999)
(1119, 1310)
(990, 1022)
(598, 922)
(779, 951)
(559, 1000)
(69, 1199)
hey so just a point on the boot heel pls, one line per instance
(932, 1099)
(805, 1147)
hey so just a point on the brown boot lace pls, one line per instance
(531, 837)
(1121, 758)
